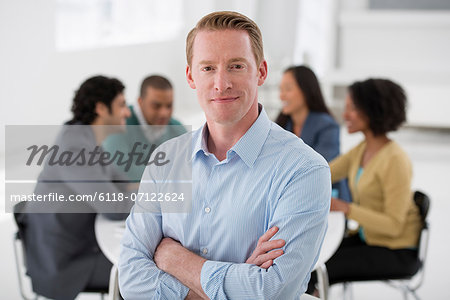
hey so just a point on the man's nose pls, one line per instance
(127, 112)
(166, 112)
(222, 81)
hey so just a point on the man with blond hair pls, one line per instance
(250, 179)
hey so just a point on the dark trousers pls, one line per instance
(100, 277)
(356, 261)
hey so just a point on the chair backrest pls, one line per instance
(20, 254)
(423, 203)
(18, 210)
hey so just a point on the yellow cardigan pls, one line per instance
(382, 198)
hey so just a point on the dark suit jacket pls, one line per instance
(321, 132)
(61, 247)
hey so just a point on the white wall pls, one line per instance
(39, 79)
(37, 83)
(408, 46)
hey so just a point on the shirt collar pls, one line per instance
(151, 132)
(249, 145)
(199, 141)
(139, 115)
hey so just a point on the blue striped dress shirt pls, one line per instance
(269, 178)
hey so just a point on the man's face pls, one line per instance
(119, 112)
(156, 106)
(225, 74)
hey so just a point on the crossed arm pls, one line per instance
(162, 269)
(171, 257)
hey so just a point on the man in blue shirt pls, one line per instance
(250, 179)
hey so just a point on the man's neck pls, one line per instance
(99, 131)
(222, 137)
(140, 115)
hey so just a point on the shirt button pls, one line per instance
(207, 210)
(205, 251)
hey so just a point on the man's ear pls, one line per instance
(101, 109)
(189, 78)
(140, 102)
(262, 72)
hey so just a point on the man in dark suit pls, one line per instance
(63, 257)
(149, 125)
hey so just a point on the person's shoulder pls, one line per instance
(176, 128)
(395, 151)
(355, 151)
(323, 119)
(393, 159)
(174, 122)
(132, 119)
(395, 147)
(291, 147)
(75, 136)
(182, 141)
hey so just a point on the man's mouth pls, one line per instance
(162, 121)
(224, 99)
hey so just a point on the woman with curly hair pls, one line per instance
(379, 174)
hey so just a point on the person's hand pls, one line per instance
(192, 296)
(261, 255)
(171, 257)
(339, 205)
(165, 250)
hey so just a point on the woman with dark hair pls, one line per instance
(379, 174)
(305, 114)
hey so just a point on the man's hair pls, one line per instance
(95, 89)
(156, 82)
(382, 101)
(222, 20)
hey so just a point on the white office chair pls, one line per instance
(322, 281)
(409, 284)
(308, 297)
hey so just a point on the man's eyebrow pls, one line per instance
(238, 59)
(206, 62)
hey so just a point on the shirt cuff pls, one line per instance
(212, 279)
(171, 288)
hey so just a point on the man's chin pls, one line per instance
(121, 128)
(162, 122)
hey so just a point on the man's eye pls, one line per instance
(207, 69)
(237, 66)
